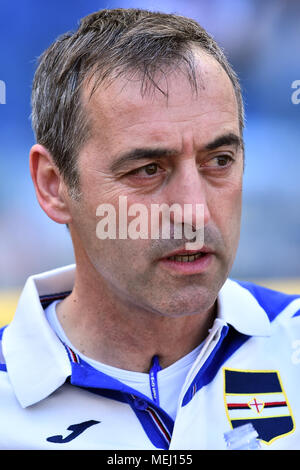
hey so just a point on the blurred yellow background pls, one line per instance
(8, 303)
(9, 299)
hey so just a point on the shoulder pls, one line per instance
(273, 302)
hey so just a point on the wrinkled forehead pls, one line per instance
(123, 106)
(137, 88)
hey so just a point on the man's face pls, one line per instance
(151, 150)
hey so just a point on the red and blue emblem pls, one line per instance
(258, 397)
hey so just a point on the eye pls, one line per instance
(223, 160)
(149, 170)
(219, 161)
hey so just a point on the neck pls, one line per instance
(111, 330)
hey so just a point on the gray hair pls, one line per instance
(107, 44)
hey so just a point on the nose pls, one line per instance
(188, 190)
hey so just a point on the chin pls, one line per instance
(181, 306)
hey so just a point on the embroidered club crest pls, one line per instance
(257, 397)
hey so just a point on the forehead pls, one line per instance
(120, 113)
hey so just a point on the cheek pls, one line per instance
(225, 209)
(114, 238)
(123, 263)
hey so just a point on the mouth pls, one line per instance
(188, 261)
(187, 256)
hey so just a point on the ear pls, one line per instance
(49, 186)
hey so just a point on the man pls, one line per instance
(145, 343)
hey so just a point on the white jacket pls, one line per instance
(247, 371)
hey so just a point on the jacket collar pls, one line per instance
(36, 360)
(38, 363)
(239, 308)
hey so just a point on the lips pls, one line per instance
(184, 255)
(187, 262)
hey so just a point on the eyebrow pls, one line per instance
(229, 139)
(136, 154)
(142, 154)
